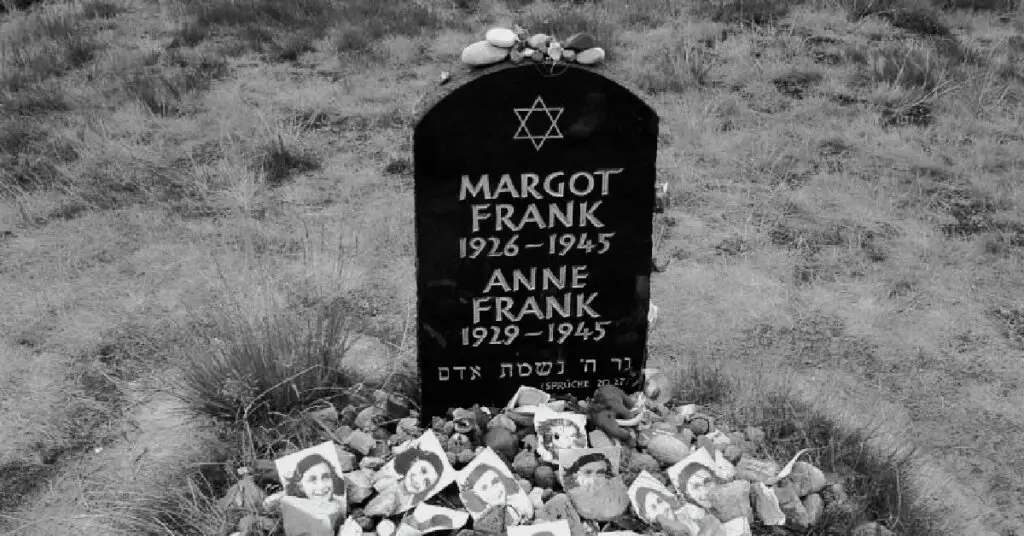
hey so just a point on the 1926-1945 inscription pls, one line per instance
(534, 197)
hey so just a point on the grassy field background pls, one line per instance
(196, 198)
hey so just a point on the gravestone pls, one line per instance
(534, 192)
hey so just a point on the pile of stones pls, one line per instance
(655, 441)
(517, 45)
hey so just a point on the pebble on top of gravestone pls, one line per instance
(534, 197)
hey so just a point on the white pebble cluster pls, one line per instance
(517, 45)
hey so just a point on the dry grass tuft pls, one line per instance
(743, 12)
(915, 16)
(265, 365)
(41, 45)
(670, 63)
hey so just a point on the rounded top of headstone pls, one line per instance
(461, 75)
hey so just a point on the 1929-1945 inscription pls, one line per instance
(534, 195)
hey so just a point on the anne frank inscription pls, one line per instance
(534, 198)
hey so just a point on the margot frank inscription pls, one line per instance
(534, 198)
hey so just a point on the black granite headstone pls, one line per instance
(534, 193)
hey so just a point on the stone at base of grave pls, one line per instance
(369, 418)
(503, 442)
(411, 426)
(465, 456)
(767, 505)
(383, 505)
(544, 477)
(700, 424)
(754, 470)
(303, 516)
(790, 504)
(560, 507)
(346, 460)
(493, 521)
(731, 500)
(350, 528)
(871, 529)
(814, 506)
(361, 442)
(668, 449)
(365, 523)
(358, 486)
(386, 527)
(483, 53)
(710, 526)
(641, 461)
(603, 501)
(371, 462)
(525, 464)
(806, 478)
(737, 527)
(503, 421)
(383, 482)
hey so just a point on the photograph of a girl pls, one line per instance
(487, 488)
(650, 499)
(422, 470)
(315, 501)
(313, 474)
(694, 477)
(557, 431)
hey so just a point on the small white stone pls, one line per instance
(528, 52)
(590, 56)
(483, 53)
(386, 527)
(501, 37)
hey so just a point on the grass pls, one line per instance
(188, 195)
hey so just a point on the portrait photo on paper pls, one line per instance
(422, 470)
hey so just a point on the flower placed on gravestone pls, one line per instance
(555, 50)
(539, 41)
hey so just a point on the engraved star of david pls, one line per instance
(524, 131)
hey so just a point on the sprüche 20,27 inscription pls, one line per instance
(560, 204)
